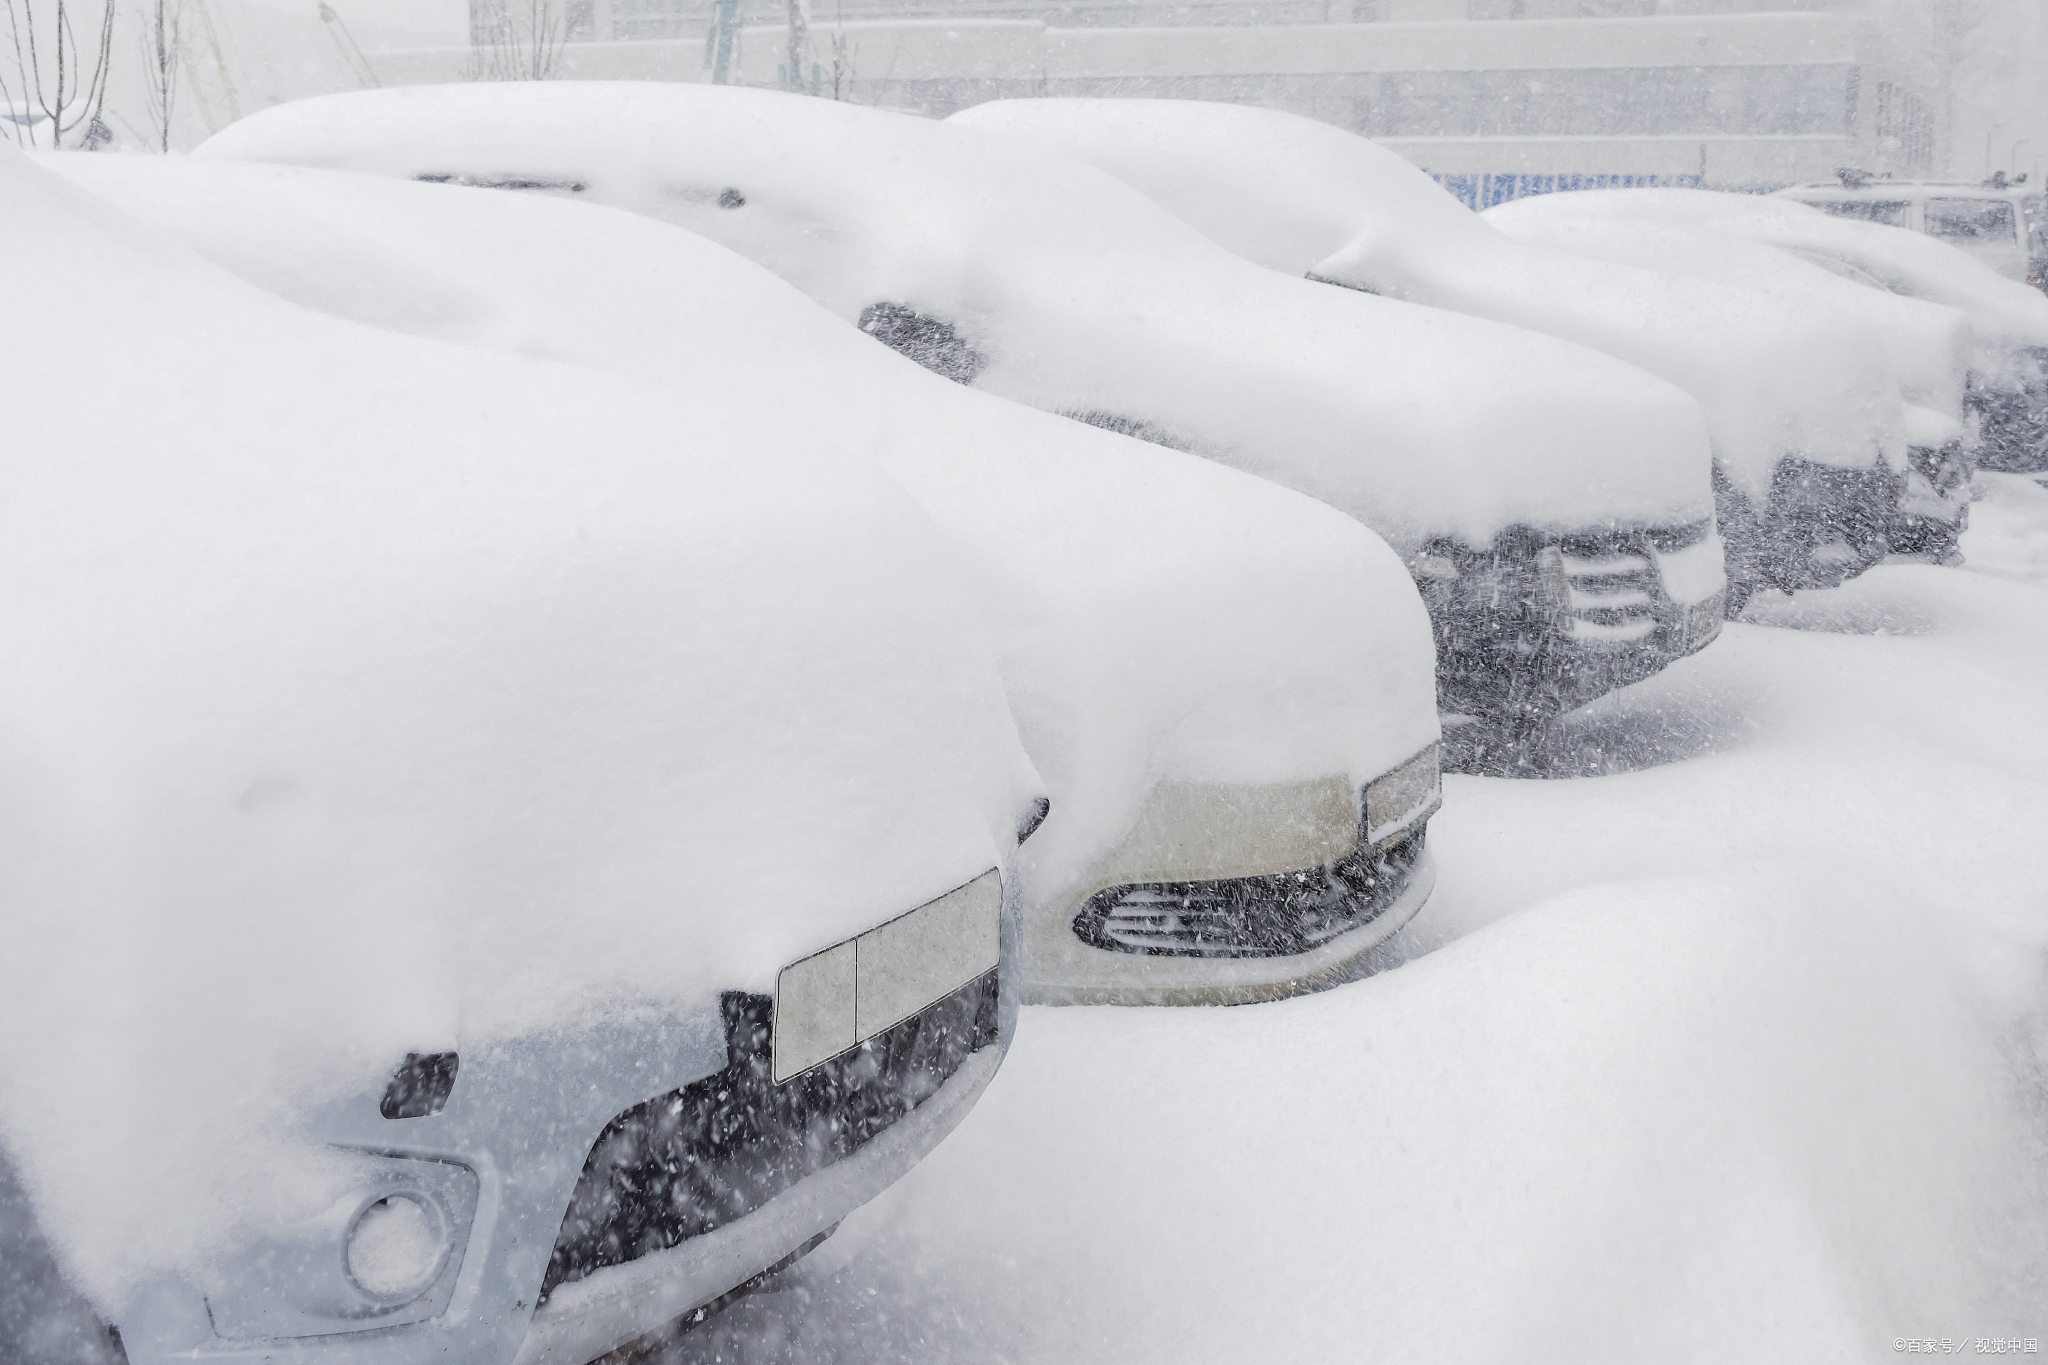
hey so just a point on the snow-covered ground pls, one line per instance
(1729, 1048)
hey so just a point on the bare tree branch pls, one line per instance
(161, 39)
(510, 44)
(57, 87)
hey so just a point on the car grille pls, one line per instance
(1271, 916)
(1610, 598)
(1541, 623)
(2012, 415)
(1947, 469)
(1612, 591)
(695, 1159)
(1821, 527)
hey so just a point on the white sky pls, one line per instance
(1997, 51)
(381, 23)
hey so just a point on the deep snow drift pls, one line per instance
(1734, 1054)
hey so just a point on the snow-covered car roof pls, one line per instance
(2001, 311)
(1046, 281)
(1307, 198)
(369, 695)
(1157, 617)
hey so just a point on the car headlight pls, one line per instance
(1403, 798)
(836, 1000)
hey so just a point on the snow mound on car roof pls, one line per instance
(1158, 617)
(1306, 198)
(2004, 312)
(1072, 293)
(1276, 188)
(365, 695)
(1927, 345)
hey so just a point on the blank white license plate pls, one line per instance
(832, 1001)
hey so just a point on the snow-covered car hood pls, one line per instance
(2003, 313)
(1307, 198)
(1157, 617)
(367, 695)
(1928, 345)
(1052, 283)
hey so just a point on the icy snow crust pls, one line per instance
(2003, 313)
(1157, 617)
(1081, 295)
(366, 695)
(1775, 377)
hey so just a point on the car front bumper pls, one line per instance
(1540, 624)
(1821, 526)
(1934, 503)
(592, 1316)
(2012, 418)
(530, 1129)
(1223, 894)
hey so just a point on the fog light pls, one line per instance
(396, 1247)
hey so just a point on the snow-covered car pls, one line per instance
(1928, 345)
(1998, 222)
(464, 903)
(1806, 431)
(2008, 377)
(1227, 687)
(1553, 505)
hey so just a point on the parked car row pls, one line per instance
(705, 725)
(1806, 423)
(1999, 221)
(2006, 379)
(1505, 468)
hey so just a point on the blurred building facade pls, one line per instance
(1496, 97)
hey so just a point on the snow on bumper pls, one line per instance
(1225, 894)
(1821, 525)
(1934, 501)
(592, 1316)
